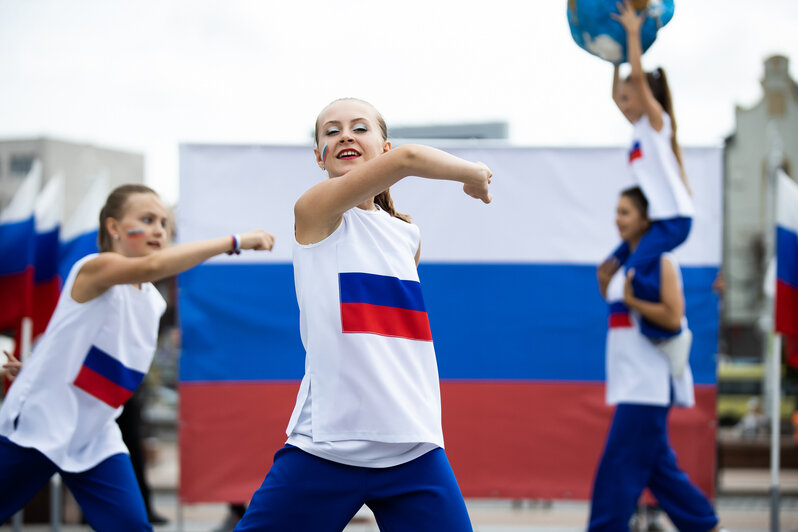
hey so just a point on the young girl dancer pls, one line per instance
(637, 453)
(655, 161)
(59, 414)
(366, 428)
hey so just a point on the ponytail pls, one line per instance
(384, 200)
(658, 82)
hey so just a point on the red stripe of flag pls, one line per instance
(786, 308)
(103, 389)
(636, 152)
(385, 321)
(620, 319)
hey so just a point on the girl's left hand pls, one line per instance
(11, 367)
(628, 17)
(628, 291)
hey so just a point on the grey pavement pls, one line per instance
(742, 503)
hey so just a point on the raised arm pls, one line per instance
(109, 269)
(616, 86)
(669, 311)
(632, 23)
(319, 210)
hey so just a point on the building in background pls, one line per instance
(748, 235)
(79, 163)
(478, 130)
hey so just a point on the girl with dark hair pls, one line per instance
(637, 453)
(58, 416)
(366, 428)
(656, 163)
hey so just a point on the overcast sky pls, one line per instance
(147, 75)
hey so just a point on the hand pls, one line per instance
(628, 290)
(258, 239)
(605, 272)
(11, 367)
(479, 189)
(628, 17)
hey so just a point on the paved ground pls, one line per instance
(743, 505)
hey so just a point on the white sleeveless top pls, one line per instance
(638, 372)
(89, 361)
(656, 170)
(371, 375)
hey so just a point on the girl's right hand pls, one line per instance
(479, 187)
(258, 239)
(12, 367)
(605, 272)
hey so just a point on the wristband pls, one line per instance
(236, 245)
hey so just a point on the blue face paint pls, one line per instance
(324, 153)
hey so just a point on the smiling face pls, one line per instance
(348, 132)
(142, 229)
(632, 223)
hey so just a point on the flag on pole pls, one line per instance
(49, 213)
(17, 251)
(786, 311)
(79, 234)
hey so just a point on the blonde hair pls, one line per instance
(383, 199)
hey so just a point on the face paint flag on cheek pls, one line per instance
(324, 154)
(135, 232)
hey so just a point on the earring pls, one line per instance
(116, 237)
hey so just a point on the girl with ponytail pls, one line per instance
(655, 160)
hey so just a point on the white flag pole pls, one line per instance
(774, 354)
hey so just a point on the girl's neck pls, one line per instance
(633, 244)
(367, 205)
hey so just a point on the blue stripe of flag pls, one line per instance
(47, 249)
(617, 307)
(381, 290)
(101, 362)
(787, 260)
(16, 246)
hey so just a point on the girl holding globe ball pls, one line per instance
(656, 164)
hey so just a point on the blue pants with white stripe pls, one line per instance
(108, 493)
(663, 236)
(638, 455)
(302, 493)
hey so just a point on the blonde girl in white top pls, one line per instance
(366, 428)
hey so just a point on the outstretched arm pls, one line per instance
(109, 269)
(632, 22)
(318, 211)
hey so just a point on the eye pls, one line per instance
(360, 128)
(332, 131)
(146, 219)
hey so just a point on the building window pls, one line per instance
(21, 164)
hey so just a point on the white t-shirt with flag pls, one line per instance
(89, 361)
(370, 394)
(657, 171)
(638, 372)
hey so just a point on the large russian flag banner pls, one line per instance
(49, 213)
(17, 251)
(786, 312)
(509, 294)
